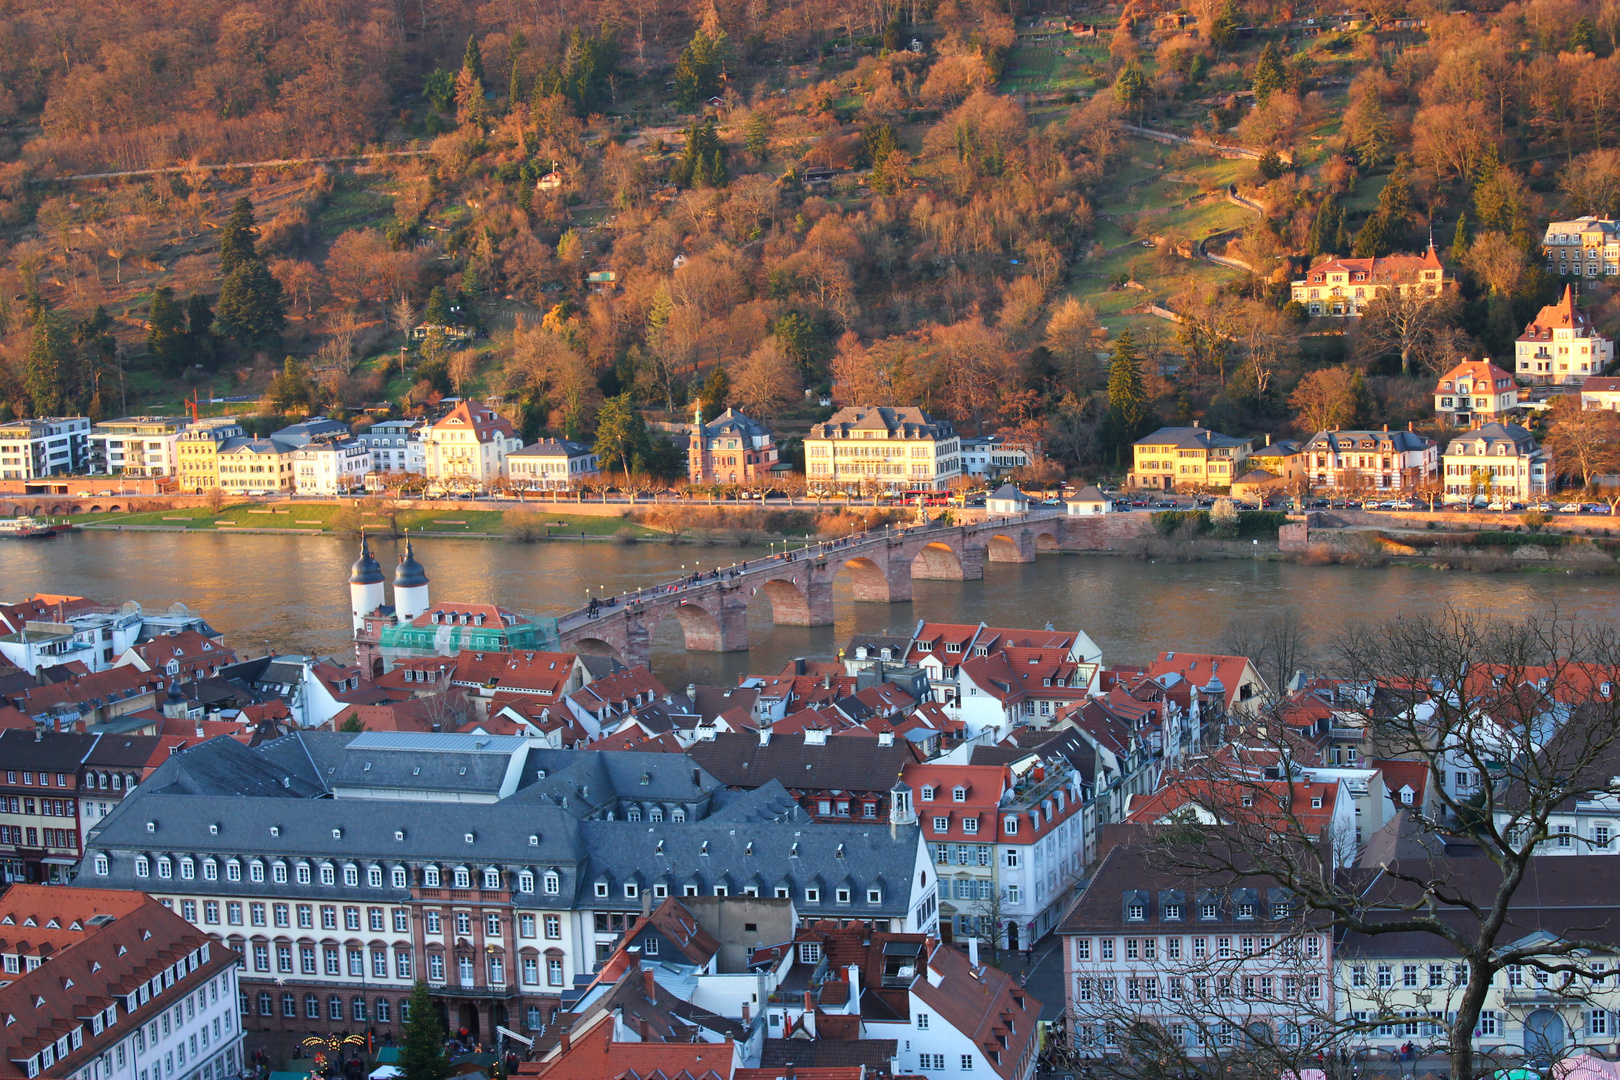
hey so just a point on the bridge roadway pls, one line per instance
(712, 608)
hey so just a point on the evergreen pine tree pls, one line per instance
(236, 239)
(97, 352)
(421, 1049)
(438, 307)
(1327, 229)
(717, 174)
(697, 71)
(47, 364)
(1461, 240)
(757, 133)
(473, 59)
(251, 308)
(1127, 395)
(1269, 73)
(200, 329)
(1583, 37)
(1371, 131)
(715, 393)
(1376, 238)
(166, 332)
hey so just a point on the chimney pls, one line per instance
(649, 985)
(809, 1005)
(1268, 438)
(798, 665)
(645, 1027)
(764, 736)
(563, 1040)
(1409, 425)
(1386, 427)
(973, 951)
(691, 691)
(854, 974)
(745, 1014)
(1195, 423)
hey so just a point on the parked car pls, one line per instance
(1570, 508)
(1543, 507)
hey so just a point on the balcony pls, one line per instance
(1545, 995)
(500, 990)
(465, 896)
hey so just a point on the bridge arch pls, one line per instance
(869, 584)
(937, 560)
(595, 646)
(1046, 541)
(789, 605)
(699, 628)
(1002, 548)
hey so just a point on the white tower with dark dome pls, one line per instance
(365, 585)
(410, 587)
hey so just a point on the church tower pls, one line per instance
(410, 587)
(365, 585)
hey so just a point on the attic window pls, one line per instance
(399, 834)
(468, 837)
(337, 834)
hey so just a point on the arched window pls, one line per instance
(526, 881)
(101, 865)
(633, 814)
(492, 878)
(463, 878)
(334, 1008)
(264, 1003)
(210, 870)
(165, 868)
(351, 876)
(188, 869)
(430, 877)
(312, 1007)
(329, 877)
(289, 1005)
(359, 1007)
(256, 871)
(400, 880)
(143, 868)
(303, 879)
(374, 877)
(553, 883)
(278, 873)
(655, 814)
(677, 815)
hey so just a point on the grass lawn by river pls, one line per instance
(330, 518)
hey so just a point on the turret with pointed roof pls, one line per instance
(1560, 345)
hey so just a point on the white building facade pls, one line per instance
(337, 467)
(52, 446)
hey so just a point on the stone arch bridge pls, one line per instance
(713, 610)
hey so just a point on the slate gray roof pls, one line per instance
(1007, 492)
(1493, 434)
(771, 802)
(409, 833)
(51, 751)
(1188, 438)
(732, 422)
(761, 855)
(436, 762)
(1340, 442)
(593, 782)
(226, 767)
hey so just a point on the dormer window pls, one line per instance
(959, 794)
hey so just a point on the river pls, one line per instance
(290, 593)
